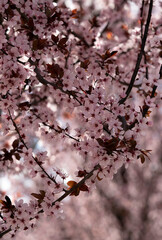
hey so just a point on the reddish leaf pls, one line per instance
(99, 179)
(62, 42)
(141, 156)
(48, 11)
(84, 188)
(113, 53)
(75, 13)
(72, 184)
(3, 202)
(54, 15)
(54, 38)
(85, 64)
(55, 70)
(132, 144)
(35, 44)
(109, 35)
(17, 156)
(31, 24)
(15, 143)
(94, 22)
(7, 205)
(145, 152)
(24, 105)
(81, 173)
(9, 12)
(39, 44)
(109, 145)
(8, 201)
(107, 55)
(75, 193)
(40, 196)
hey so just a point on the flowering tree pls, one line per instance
(77, 91)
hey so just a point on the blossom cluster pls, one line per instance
(68, 81)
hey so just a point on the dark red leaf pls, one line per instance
(81, 173)
(15, 143)
(84, 188)
(62, 42)
(17, 156)
(40, 196)
(54, 38)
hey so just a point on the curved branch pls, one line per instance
(139, 58)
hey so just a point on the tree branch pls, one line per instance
(139, 58)
(35, 159)
(77, 185)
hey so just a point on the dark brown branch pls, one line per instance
(139, 58)
(5, 232)
(142, 21)
(79, 184)
(141, 17)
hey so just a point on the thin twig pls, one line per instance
(21, 139)
(53, 128)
